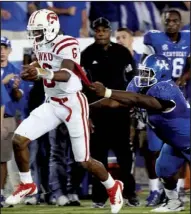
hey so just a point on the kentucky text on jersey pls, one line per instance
(174, 54)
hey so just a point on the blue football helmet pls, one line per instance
(154, 68)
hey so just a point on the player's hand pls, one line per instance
(16, 82)
(29, 72)
(71, 11)
(5, 14)
(99, 88)
(7, 78)
(181, 81)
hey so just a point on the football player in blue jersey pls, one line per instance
(174, 44)
(168, 117)
(138, 127)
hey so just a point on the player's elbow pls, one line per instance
(67, 76)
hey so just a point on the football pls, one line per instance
(29, 73)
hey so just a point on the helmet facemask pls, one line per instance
(145, 77)
(36, 35)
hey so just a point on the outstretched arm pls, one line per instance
(106, 102)
(131, 98)
(137, 100)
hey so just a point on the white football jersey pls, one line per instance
(51, 55)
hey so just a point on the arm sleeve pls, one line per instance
(69, 49)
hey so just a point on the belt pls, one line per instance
(7, 115)
(61, 101)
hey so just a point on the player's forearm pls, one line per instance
(134, 99)
(31, 8)
(84, 19)
(105, 102)
(61, 76)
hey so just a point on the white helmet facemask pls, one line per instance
(145, 77)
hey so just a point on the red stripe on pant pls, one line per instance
(84, 120)
(87, 111)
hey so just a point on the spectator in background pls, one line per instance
(113, 65)
(140, 17)
(12, 85)
(125, 37)
(4, 100)
(182, 6)
(72, 16)
(14, 18)
(108, 10)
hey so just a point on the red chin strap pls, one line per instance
(81, 74)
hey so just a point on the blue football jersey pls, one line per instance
(177, 53)
(173, 126)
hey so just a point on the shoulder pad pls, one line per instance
(62, 42)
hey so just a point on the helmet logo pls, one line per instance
(51, 17)
(162, 64)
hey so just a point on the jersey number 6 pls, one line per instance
(48, 83)
(74, 52)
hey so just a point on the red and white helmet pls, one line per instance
(43, 26)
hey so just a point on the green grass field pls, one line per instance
(84, 209)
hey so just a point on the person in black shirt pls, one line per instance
(113, 65)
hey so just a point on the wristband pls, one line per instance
(108, 93)
(46, 74)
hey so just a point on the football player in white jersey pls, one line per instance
(58, 64)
